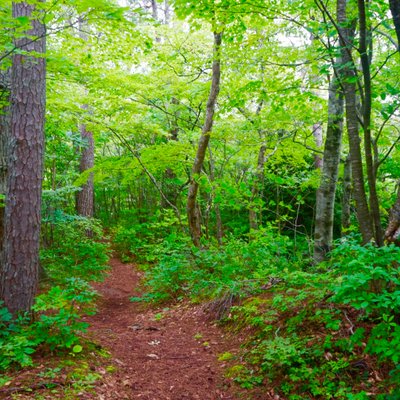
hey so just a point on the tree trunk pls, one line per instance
(318, 139)
(367, 107)
(349, 85)
(346, 198)
(254, 221)
(218, 219)
(24, 183)
(192, 207)
(392, 233)
(85, 197)
(395, 10)
(325, 201)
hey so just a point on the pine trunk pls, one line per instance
(24, 183)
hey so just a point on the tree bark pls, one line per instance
(367, 108)
(392, 233)
(346, 34)
(192, 207)
(325, 201)
(395, 10)
(85, 197)
(217, 210)
(19, 277)
(254, 221)
(346, 198)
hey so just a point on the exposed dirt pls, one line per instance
(159, 354)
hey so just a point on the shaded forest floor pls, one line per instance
(154, 354)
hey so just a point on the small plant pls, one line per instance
(57, 324)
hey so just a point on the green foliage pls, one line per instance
(56, 325)
(240, 267)
(74, 250)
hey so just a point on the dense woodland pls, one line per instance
(243, 153)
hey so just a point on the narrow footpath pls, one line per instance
(165, 354)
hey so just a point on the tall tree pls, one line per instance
(192, 208)
(346, 40)
(19, 276)
(325, 201)
(392, 232)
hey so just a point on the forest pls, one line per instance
(200, 199)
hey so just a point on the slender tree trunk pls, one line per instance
(192, 206)
(19, 277)
(367, 109)
(395, 10)
(349, 85)
(392, 232)
(218, 219)
(254, 221)
(325, 202)
(167, 12)
(346, 199)
(85, 197)
(154, 10)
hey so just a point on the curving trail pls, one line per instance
(168, 354)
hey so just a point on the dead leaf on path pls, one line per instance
(154, 343)
(153, 356)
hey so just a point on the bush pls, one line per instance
(74, 253)
(56, 324)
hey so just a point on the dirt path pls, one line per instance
(167, 354)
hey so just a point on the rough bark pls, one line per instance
(24, 183)
(349, 85)
(325, 201)
(346, 198)
(85, 197)
(254, 217)
(367, 109)
(192, 207)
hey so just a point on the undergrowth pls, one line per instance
(313, 332)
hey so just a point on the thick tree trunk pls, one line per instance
(326, 192)
(346, 198)
(85, 197)
(254, 219)
(24, 183)
(348, 75)
(192, 206)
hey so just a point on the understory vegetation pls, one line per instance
(311, 331)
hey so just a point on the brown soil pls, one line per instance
(166, 354)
